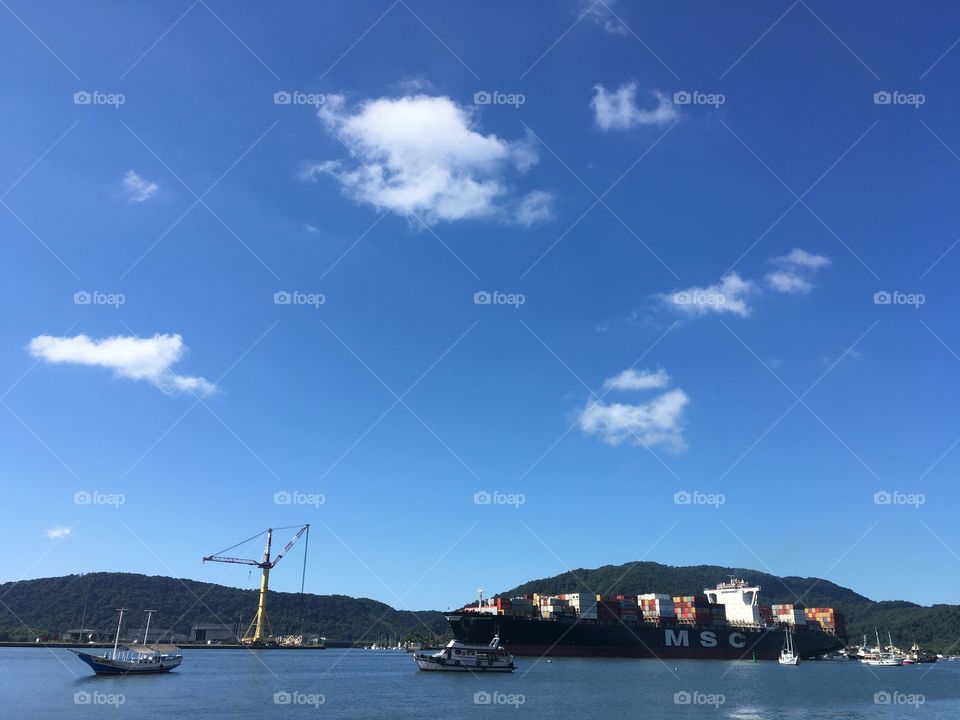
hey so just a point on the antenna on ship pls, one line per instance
(479, 597)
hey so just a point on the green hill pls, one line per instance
(48, 606)
(935, 628)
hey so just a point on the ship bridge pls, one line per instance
(739, 599)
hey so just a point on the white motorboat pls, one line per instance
(461, 657)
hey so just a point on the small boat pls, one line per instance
(788, 655)
(461, 657)
(133, 659)
(839, 656)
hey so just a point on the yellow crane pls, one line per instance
(258, 632)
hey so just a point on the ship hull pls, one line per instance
(107, 666)
(586, 638)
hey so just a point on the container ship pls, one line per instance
(724, 623)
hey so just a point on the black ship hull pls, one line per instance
(588, 638)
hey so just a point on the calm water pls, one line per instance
(39, 683)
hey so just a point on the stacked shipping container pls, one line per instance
(656, 605)
(692, 609)
(828, 619)
(654, 608)
(697, 610)
(789, 613)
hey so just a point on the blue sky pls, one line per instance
(681, 216)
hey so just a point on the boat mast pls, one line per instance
(116, 640)
(146, 633)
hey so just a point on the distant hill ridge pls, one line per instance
(49, 606)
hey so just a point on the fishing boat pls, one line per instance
(133, 659)
(461, 657)
(788, 655)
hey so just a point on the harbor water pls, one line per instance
(51, 683)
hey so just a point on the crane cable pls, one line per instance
(242, 542)
(303, 576)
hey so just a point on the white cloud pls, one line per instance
(135, 358)
(619, 111)
(657, 422)
(788, 282)
(731, 293)
(419, 156)
(631, 379)
(798, 258)
(57, 532)
(312, 229)
(535, 207)
(727, 296)
(138, 189)
(798, 265)
(602, 15)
